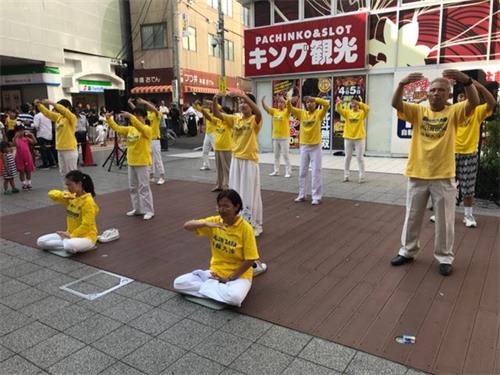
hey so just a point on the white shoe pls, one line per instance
(148, 216)
(133, 213)
(470, 221)
(204, 168)
(315, 202)
(274, 173)
(287, 175)
(433, 218)
(346, 179)
(258, 231)
(161, 181)
(152, 179)
(109, 235)
(259, 268)
(361, 180)
(299, 199)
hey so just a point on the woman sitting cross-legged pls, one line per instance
(234, 251)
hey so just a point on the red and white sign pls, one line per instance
(326, 44)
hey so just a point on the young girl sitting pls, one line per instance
(8, 169)
(234, 251)
(81, 210)
(24, 161)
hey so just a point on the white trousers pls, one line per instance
(310, 154)
(140, 191)
(53, 241)
(244, 177)
(349, 146)
(68, 161)
(442, 193)
(157, 168)
(200, 284)
(281, 147)
(208, 144)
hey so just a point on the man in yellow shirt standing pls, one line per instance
(466, 156)
(280, 135)
(431, 164)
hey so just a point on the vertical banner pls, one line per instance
(345, 89)
(288, 88)
(185, 24)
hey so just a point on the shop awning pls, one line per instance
(151, 89)
(201, 89)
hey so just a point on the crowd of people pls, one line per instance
(444, 141)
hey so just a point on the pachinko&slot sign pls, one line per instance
(329, 44)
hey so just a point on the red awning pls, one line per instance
(151, 89)
(201, 89)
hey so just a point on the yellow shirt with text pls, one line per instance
(230, 246)
(245, 132)
(281, 123)
(65, 121)
(11, 123)
(468, 131)
(223, 138)
(81, 213)
(154, 121)
(354, 126)
(432, 149)
(138, 141)
(310, 123)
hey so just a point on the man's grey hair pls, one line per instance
(442, 80)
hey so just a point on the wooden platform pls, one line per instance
(329, 272)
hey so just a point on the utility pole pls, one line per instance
(220, 32)
(176, 80)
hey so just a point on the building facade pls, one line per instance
(344, 48)
(60, 49)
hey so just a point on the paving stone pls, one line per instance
(51, 351)
(27, 336)
(23, 298)
(415, 372)
(364, 363)
(230, 371)
(17, 365)
(179, 306)
(83, 271)
(11, 286)
(328, 354)
(93, 328)
(259, 359)
(186, 334)
(44, 307)
(300, 367)
(154, 296)
(88, 361)
(127, 310)
(213, 318)
(155, 321)
(20, 270)
(284, 340)
(120, 368)
(53, 287)
(192, 364)
(222, 347)
(122, 341)
(39, 276)
(103, 303)
(131, 289)
(5, 353)
(246, 327)
(13, 320)
(9, 262)
(103, 280)
(25, 252)
(67, 266)
(154, 357)
(66, 317)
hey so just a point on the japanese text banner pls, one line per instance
(328, 44)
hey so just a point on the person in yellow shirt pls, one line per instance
(280, 134)
(154, 118)
(209, 139)
(354, 135)
(138, 159)
(431, 164)
(10, 125)
(81, 210)
(310, 144)
(466, 147)
(65, 122)
(233, 248)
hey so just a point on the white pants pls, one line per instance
(101, 134)
(140, 191)
(53, 241)
(359, 145)
(281, 147)
(157, 168)
(442, 193)
(310, 154)
(208, 144)
(200, 284)
(244, 177)
(68, 161)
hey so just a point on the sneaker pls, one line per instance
(161, 181)
(433, 218)
(470, 221)
(152, 180)
(361, 180)
(204, 168)
(25, 187)
(109, 235)
(315, 202)
(7, 192)
(148, 216)
(216, 190)
(274, 173)
(259, 268)
(346, 179)
(288, 175)
(15, 190)
(133, 213)
(445, 269)
(299, 199)
(29, 186)
(258, 231)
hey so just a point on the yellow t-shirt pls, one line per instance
(281, 123)
(81, 213)
(310, 123)
(432, 149)
(468, 131)
(245, 131)
(138, 141)
(11, 123)
(154, 121)
(223, 138)
(230, 246)
(65, 126)
(354, 126)
(209, 125)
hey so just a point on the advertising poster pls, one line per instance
(345, 88)
(415, 92)
(288, 88)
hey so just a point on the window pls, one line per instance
(229, 50)
(227, 6)
(317, 8)
(245, 16)
(262, 13)
(189, 42)
(214, 49)
(153, 36)
(285, 10)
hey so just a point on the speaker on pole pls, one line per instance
(113, 101)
